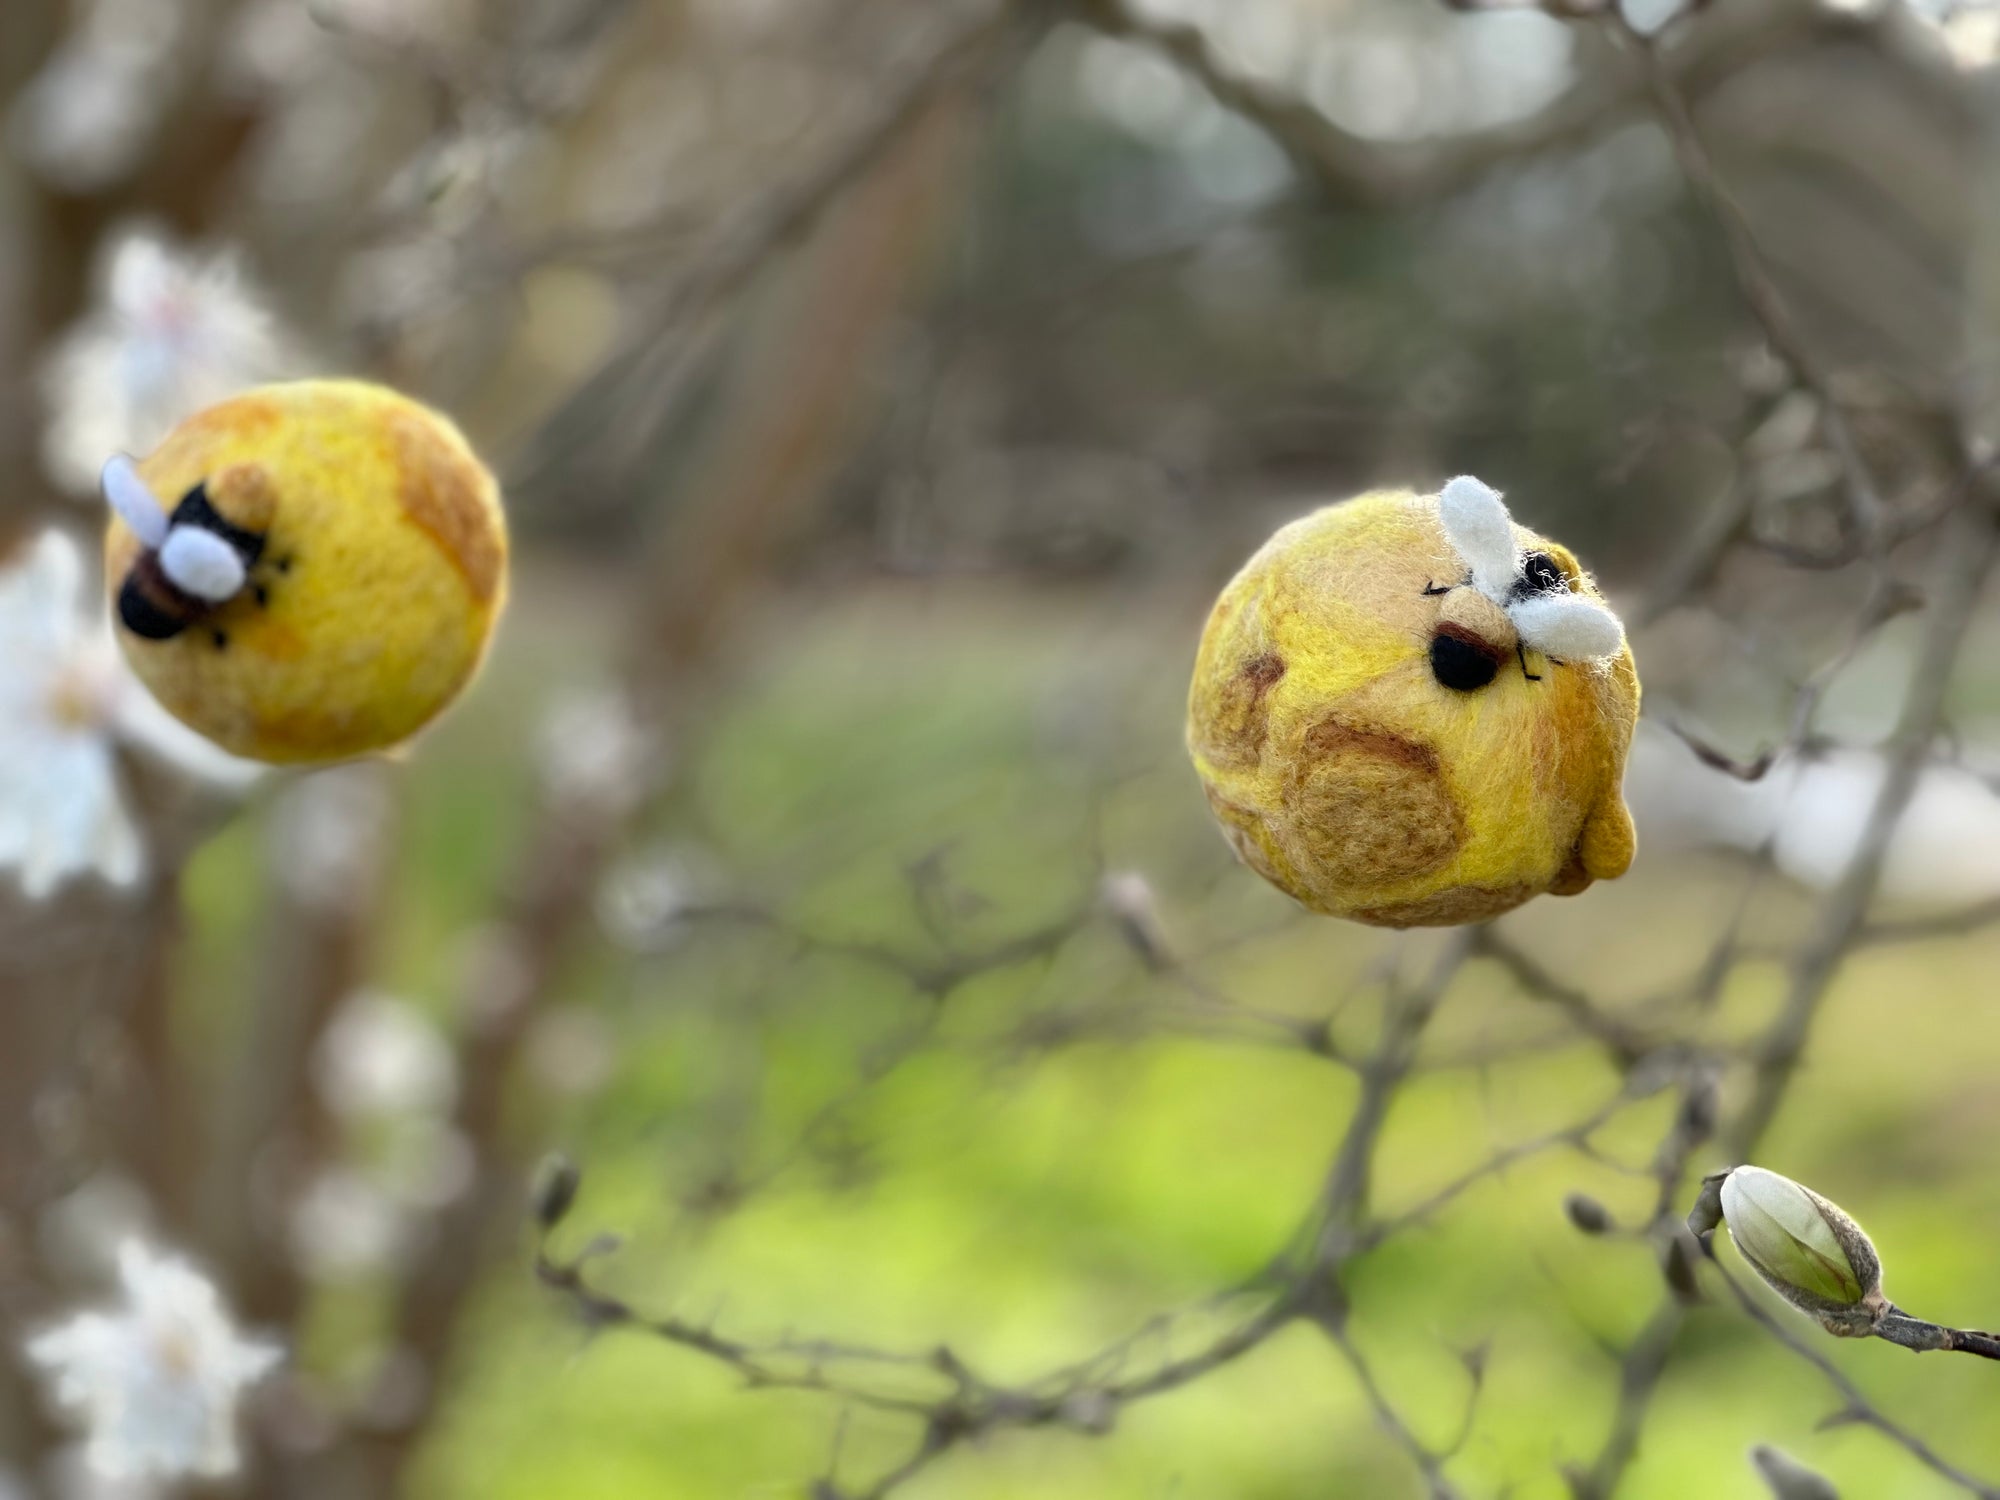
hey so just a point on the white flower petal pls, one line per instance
(155, 1381)
(68, 702)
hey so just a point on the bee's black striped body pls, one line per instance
(150, 605)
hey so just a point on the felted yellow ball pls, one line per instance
(1409, 711)
(307, 572)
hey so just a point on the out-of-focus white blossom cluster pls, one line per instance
(1380, 69)
(154, 1379)
(68, 705)
(596, 754)
(84, 120)
(1810, 814)
(330, 832)
(1968, 30)
(646, 899)
(387, 1073)
(172, 330)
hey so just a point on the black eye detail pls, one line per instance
(1540, 575)
(1461, 665)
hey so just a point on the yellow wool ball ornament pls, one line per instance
(1409, 711)
(307, 572)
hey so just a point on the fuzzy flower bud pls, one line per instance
(1809, 1251)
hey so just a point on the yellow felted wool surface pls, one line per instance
(383, 570)
(1348, 775)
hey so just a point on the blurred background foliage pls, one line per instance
(882, 390)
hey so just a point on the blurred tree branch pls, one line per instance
(1354, 171)
(874, 208)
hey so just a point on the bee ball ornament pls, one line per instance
(1409, 711)
(307, 572)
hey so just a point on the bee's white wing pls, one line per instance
(1567, 627)
(133, 501)
(202, 564)
(1482, 533)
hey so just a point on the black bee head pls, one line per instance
(196, 509)
(1539, 575)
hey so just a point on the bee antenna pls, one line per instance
(133, 501)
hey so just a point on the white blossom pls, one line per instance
(329, 833)
(382, 1057)
(1812, 814)
(346, 1225)
(643, 903)
(84, 119)
(154, 1380)
(595, 753)
(172, 331)
(67, 702)
(571, 1051)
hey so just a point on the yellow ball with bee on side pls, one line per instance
(307, 572)
(1409, 711)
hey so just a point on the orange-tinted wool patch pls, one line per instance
(242, 416)
(439, 492)
(242, 495)
(274, 639)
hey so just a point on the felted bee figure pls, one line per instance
(307, 572)
(1409, 711)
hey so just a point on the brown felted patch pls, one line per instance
(1236, 720)
(1573, 877)
(1371, 807)
(440, 492)
(1448, 908)
(1242, 829)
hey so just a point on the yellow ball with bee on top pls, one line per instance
(307, 572)
(1409, 711)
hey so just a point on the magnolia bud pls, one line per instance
(1677, 1265)
(554, 1191)
(1128, 897)
(1788, 1479)
(1587, 1214)
(1809, 1251)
